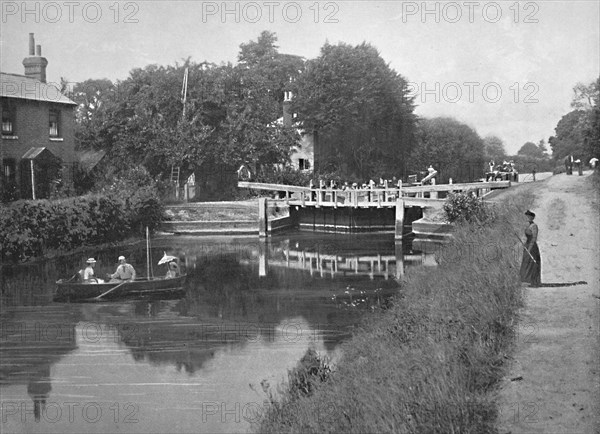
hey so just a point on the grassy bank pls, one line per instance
(429, 362)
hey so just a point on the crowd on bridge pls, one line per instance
(393, 182)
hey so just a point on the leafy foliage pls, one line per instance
(466, 207)
(311, 371)
(578, 132)
(30, 229)
(228, 118)
(569, 138)
(359, 109)
(454, 149)
(494, 149)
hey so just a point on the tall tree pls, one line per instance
(453, 148)
(359, 109)
(570, 134)
(578, 132)
(229, 117)
(494, 149)
(530, 149)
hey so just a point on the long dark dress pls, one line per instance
(531, 272)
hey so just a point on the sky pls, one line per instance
(505, 68)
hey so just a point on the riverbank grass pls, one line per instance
(431, 361)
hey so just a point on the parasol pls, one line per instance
(166, 258)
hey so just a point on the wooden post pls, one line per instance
(434, 194)
(399, 218)
(262, 258)
(399, 189)
(355, 198)
(32, 179)
(287, 197)
(399, 260)
(385, 193)
(303, 198)
(334, 197)
(262, 217)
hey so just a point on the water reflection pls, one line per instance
(197, 363)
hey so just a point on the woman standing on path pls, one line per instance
(531, 266)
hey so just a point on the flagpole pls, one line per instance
(148, 252)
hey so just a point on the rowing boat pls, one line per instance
(68, 290)
(74, 290)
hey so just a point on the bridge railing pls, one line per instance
(371, 197)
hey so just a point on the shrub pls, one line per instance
(311, 371)
(466, 207)
(287, 175)
(31, 229)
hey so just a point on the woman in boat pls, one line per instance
(531, 266)
(173, 271)
(88, 273)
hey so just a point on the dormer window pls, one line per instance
(8, 119)
(54, 123)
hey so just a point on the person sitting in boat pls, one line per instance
(173, 271)
(87, 274)
(124, 271)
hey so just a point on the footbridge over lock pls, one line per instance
(399, 209)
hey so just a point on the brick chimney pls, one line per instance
(35, 64)
(287, 116)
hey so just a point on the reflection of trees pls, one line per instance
(31, 343)
(38, 389)
(227, 304)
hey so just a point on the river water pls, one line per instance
(205, 361)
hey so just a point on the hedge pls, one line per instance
(30, 229)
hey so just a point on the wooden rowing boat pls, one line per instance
(75, 290)
(68, 290)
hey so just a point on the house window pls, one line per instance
(8, 119)
(303, 164)
(9, 169)
(54, 123)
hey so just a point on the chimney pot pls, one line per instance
(35, 66)
(38, 50)
(31, 45)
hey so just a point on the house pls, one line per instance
(37, 149)
(303, 155)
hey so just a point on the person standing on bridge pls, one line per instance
(531, 265)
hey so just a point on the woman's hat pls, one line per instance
(532, 214)
(121, 258)
(91, 261)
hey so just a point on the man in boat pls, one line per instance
(124, 271)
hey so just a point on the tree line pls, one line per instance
(358, 109)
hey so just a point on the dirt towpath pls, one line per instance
(553, 385)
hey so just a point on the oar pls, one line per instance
(110, 290)
(525, 247)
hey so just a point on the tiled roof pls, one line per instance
(33, 153)
(20, 86)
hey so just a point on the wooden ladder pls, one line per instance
(175, 174)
